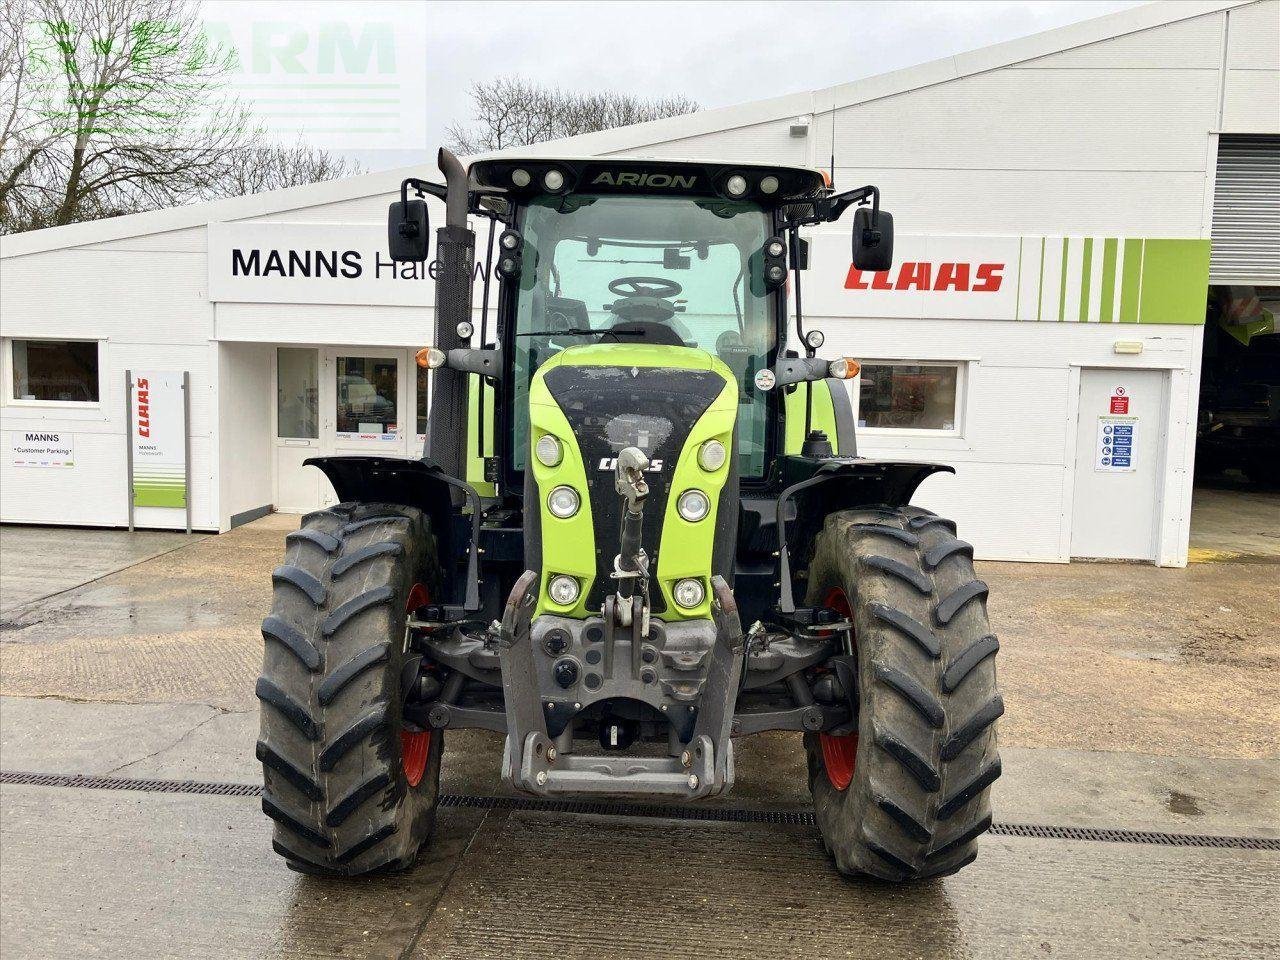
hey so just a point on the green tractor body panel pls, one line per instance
(475, 459)
(823, 417)
(594, 382)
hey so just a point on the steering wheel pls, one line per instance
(644, 287)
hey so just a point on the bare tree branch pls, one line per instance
(514, 112)
(115, 106)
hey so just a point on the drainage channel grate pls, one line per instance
(800, 818)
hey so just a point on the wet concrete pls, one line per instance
(1093, 656)
(1042, 786)
(1137, 698)
(38, 562)
(143, 875)
(93, 873)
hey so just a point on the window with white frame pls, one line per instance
(899, 395)
(54, 371)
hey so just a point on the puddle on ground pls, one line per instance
(1183, 804)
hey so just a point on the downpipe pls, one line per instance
(455, 262)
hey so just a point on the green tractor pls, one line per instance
(640, 529)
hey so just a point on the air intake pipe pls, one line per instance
(455, 263)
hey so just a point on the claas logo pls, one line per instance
(937, 278)
(144, 407)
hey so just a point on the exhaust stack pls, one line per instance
(455, 256)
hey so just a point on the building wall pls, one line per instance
(148, 309)
(1114, 138)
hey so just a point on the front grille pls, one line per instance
(610, 408)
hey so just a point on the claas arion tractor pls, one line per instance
(640, 530)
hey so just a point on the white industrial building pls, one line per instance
(1054, 197)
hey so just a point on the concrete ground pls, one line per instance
(42, 561)
(1235, 525)
(1137, 698)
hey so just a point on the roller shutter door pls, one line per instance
(1246, 212)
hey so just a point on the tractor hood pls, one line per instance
(667, 401)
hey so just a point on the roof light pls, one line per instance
(769, 185)
(553, 180)
(736, 185)
(520, 177)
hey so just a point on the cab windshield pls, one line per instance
(658, 270)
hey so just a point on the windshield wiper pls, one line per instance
(570, 332)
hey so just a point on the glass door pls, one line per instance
(298, 488)
(371, 412)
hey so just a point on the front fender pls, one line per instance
(421, 484)
(821, 485)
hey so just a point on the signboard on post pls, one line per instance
(1116, 451)
(41, 448)
(158, 416)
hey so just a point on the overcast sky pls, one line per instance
(718, 53)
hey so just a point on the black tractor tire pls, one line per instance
(926, 753)
(331, 734)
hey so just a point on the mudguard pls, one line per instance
(821, 485)
(421, 484)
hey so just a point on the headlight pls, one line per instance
(563, 502)
(465, 329)
(815, 339)
(548, 451)
(564, 590)
(711, 456)
(689, 593)
(693, 505)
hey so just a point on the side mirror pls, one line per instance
(872, 240)
(408, 231)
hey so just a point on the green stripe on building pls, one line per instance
(1130, 282)
(1109, 249)
(1175, 281)
(1062, 284)
(1040, 289)
(1086, 270)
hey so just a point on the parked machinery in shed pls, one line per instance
(648, 564)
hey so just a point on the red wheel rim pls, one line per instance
(839, 753)
(415, 746)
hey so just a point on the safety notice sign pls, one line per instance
(1117, 449)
